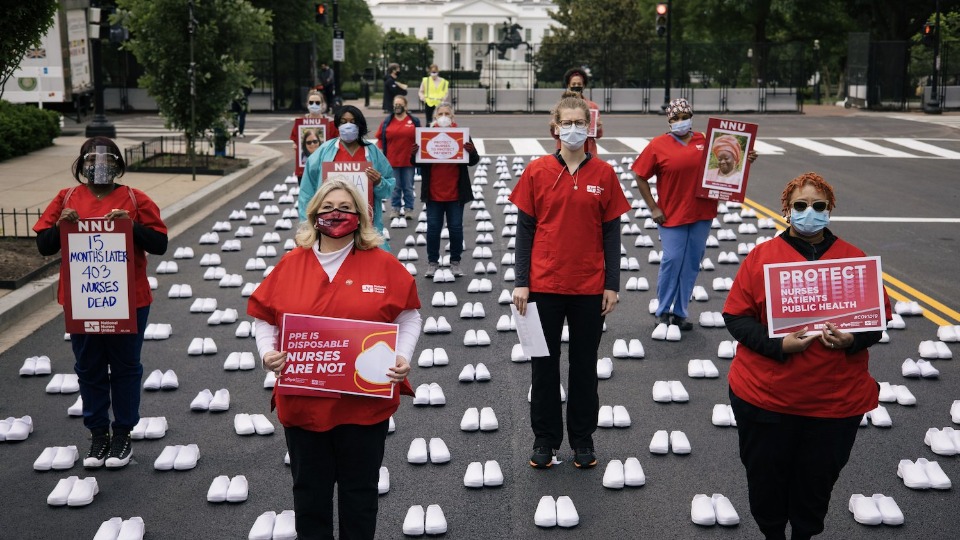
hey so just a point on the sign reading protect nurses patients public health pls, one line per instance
(845, 292)
(337, 355)
(724, 170)
(98, 280)
(442, 145)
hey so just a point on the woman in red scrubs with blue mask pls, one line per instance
(568, 262)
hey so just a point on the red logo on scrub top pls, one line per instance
(596, 190)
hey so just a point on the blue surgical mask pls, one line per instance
(809, 222)
(348, 132)
(315, 109)
(573, 137)
(681, 127)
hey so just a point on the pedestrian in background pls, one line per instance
(445, 190)
(240, 106)
(392, 87)
(575, 80)
(433, 92)
(683, 219)
(568, 262)
(398, 135)
(316, 105)
(107, 365)
(798, 400)
(328, 83)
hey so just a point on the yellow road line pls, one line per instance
(908, 293)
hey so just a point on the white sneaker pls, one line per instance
(660, 443)
(620, 349)
(238, 490)
(488, 420)
(482, 373)
(422, 395)
(865, 510)
(220, 401)
(636, 349)
(131, 529)
(262, 528)
(470, 420)
(473, 478)
(262, 425)
(726, 514)
(436, 395)
(413, 523)
(492, 475)
(383, 482)
(202, 401)
(613, 476)
(217, 492)
(417, 453)
(467, 374)
(567, 515)
(109, 529)
(187, 457)
(889, 510)
(604, 368)
(677, 392)
(243, 424)
(702, 512)
(679, 442)
(605, 417)
(439, 453)
(546, 514)
(435, 522)
(633, 473)
(661, 392)
(440, 357)
(621, 418)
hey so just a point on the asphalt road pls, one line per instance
(173, 504)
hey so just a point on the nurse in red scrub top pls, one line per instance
(337, 440)
(568, 262)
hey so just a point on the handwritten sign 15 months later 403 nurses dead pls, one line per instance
(97, 255)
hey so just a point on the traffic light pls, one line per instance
(320, 12)
(662, 19)
(929, 36)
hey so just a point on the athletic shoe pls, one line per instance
(683, 323)
(455, 268)
(121, 450)
(542, 457)
(584, 458)
(99, 447)
(431, 269)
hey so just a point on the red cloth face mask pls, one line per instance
(337, 223)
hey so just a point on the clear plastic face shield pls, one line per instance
(100, 166)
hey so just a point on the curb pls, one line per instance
(21, 302)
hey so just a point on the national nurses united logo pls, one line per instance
(92, 327)
(596, 190)
(378, 289)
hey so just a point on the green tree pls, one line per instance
(412, 54)
(223, 37)
(24, 25)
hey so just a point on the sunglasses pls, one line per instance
(315, 103)
(311, 143)
(818, 206)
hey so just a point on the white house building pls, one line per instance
(469, 25)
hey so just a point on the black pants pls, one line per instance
(348, 456)
(792, 464)
(582, 313)
(428, 113)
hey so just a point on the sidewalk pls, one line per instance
(30, 182)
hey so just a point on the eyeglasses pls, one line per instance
(314, 103)
(567, 124)
(818, 206)
(312, 142)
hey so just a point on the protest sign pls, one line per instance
(351, 172)
(309, 130)
(594, 122)
(442, 145)
(845, 292)
(724, 170)
(97, 256)
(344, 356)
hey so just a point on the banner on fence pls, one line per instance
(724, 170)
(98, 276)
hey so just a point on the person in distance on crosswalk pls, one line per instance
(568, 262)
(797, 400)
(575, 80)
(682, 219)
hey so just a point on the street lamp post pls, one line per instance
(816, 73)
(99, 126)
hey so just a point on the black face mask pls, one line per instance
(577, 89)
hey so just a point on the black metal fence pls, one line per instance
(171, 151)
(18, 223)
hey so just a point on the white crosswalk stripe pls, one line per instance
(949, 121)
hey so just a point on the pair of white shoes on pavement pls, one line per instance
(919, 368)
(621, 349)
(208, 401)
(429, 394)
(273, 526)
(433, 357)
(517, 355)
(476, 338)
(469, 373)
(879, 417)
(899, 393)
(709, 511)
(120, 529)
(444, 299)
(480, 475)
(240, 361)
(438, 451)
(73, 491)
(933, 350)
(615, 416)
(702, 369)
(16, 429)
(551, 513)
(484, 420)
(157, 331)
(604, 368)
(668, 332)
(661, 443)
(226, 489)
(149, 428)
(667, 391)
(161, 380)
(57, 458)
(200, 346)
(248, 424)
(417, 522)
(922, 474)
(35, 365)
(178, 457)
(624, 473)
(727, 349)
(875, 510)
(723, 416)
(436, 326)
(63, 383)
(943, 442)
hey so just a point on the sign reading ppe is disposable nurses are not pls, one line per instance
(845, 292)
(344, 356)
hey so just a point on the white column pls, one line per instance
(466, 54)
(445, 43)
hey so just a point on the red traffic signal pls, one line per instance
(929, 35)
(662, 10)
(320, 13)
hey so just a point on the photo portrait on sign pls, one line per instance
(310, 138)
(725, 162)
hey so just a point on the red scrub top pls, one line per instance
(329, 133)
(401, 136)
(343, 156)
(444, 182)
(567, 256)
(298, 284)
(141, 209)
(676, 166)
(819, 382)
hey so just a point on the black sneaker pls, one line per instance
(584, 458)
(99, 447)
(666, 318)
(121, 450)
(682, 323)
(542, 457)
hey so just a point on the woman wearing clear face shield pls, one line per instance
(108, 366)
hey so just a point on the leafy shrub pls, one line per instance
(25, 128)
